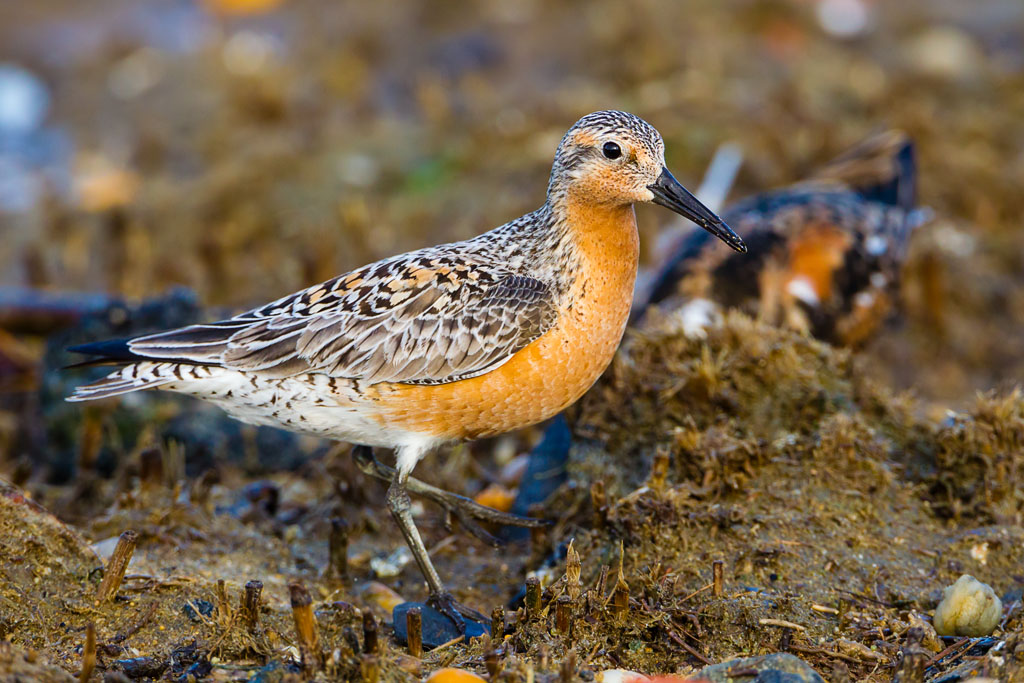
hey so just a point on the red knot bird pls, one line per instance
(448, 343)
(825, 254)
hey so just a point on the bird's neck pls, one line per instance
(601, 250)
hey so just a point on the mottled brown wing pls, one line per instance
(417, 321)
(433, 337)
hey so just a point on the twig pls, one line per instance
(717, 580)
(370, 641)
(861, 596)
(117, 566)
(223, 610)
(683, 644)
(88, 653)
(251, 605)
(698, 591)
(498, 623)
(602, 580)
(941, 655)
(305, 627)
(447, 644)
(139, 624)
(782, 624)
(620, 600)
(414, 631)
(338, 548)
(563, 614)
(532, 597)
(822, 651)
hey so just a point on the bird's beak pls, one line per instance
(670, 194)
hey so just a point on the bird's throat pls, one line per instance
(606, 250)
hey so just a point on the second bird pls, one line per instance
(443, 344)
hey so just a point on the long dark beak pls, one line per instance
(670, 194)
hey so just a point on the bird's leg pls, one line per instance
(465, 509)
(400, 506)
(440, 599)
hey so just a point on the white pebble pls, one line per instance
(844, 18)
(968, 608)
(24, 100)
(620, 676)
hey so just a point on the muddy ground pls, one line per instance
(244, 154)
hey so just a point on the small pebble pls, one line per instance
(497, 497)
(101, 184)
(378, 594)
(968, 608)
(946, 52)
(241, 7)
(204, 608)
(105, 548)
(844, 18)
(135, 74)
(392, 565)
(931, 639)
(248, 53)
(620, 676)
(512, 472)
(24, 100)
(453, 676)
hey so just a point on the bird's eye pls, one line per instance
(611, 150)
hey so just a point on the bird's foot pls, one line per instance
(466, 510)
(458, 613)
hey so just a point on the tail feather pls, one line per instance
(161, 361)
(134, 377)
(110, 351)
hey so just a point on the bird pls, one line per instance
(825, 253)
(443, 344)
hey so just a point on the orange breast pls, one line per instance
(552, 372)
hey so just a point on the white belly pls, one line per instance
(308, 404)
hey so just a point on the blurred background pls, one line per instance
(167, 161)
(246, 148)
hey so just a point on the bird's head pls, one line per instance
(614, 158)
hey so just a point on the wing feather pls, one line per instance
(419, 320)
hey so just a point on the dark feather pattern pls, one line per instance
(425, 318)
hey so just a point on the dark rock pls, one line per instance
(141, 667)
(963, 672)
(776, 668)
(545, 472)
(208, 433)
(197, 671)
(930, 600)
(264, 496)
(437, 628)
(195, 610)
(188, 660)
(274, 672)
